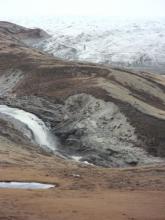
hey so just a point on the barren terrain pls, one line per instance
(94, 111)
(82, 192)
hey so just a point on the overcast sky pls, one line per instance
(82, 7)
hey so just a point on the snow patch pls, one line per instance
(25, 185)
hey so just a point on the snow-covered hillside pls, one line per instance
(138, 43)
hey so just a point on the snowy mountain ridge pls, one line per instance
(131, 43)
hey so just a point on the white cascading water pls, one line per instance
(41, 133)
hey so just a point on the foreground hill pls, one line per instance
(108, 117)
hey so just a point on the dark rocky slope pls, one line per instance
(104, 115)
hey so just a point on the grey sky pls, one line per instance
(82, 7)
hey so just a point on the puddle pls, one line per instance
(25, 185)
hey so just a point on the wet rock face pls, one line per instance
(15, 130)
(91, 129)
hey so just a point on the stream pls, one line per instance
(41, 133)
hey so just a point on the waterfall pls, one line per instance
(42, 135)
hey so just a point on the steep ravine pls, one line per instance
(90, 129)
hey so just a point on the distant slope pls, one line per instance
(132, 43)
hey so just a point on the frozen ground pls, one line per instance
(137, 43)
